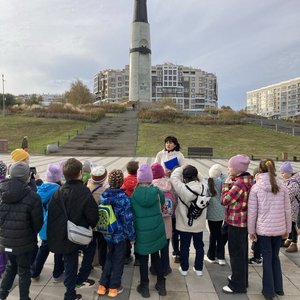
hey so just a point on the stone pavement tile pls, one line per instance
(175, 295)
(255, 282)
(257, 297)
(34, 291)
(175, 282)
(206, 296)
(289, 288)
(201, 284)
(134, 295)
(51, 293)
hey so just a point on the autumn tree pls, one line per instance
(78, 94)
(9, 100)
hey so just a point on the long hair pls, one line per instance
(211, 187)
(268, 166)
(174, 140)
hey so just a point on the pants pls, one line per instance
(41, 257)
(164, 256)
(216, 247)
(71, 267)
(293, 236)
(114, 265)
(17, 264)
(256, 249)
(87, 261)
(156, 261)
(185, 242)
(272, 276)
(175, 238)
(101, 246)
(238, 253)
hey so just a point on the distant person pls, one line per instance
(269, 218)
(292, 182)
(86, 171)
(82, 210)
(21, 216)
(133, 106)
(215, 216)
(24, 144)
(235, 193)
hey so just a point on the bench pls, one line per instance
(259, 157)
(296, 158)
(200, 152)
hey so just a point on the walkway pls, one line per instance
(191, 287)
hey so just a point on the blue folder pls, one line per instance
(172, 163)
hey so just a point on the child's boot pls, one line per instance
(143, 289)
(161, 287)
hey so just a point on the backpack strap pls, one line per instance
(96, 188)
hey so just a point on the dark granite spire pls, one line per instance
(140, 11)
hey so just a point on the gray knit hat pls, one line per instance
(20, 171)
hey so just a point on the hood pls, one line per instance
(110, 196)
(163, 184)
(263, 181)
(46, 190)
(245, 179)
(295, 177)
(13, 190)
(147, 196)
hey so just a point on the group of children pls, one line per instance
(153, 205)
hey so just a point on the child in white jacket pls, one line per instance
(190, 186)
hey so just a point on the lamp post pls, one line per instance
(3, 107)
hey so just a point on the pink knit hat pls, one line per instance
(286, 167)
(144, 174)
(54, 173)
(239, 163)
(157, 170)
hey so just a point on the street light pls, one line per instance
(3, 107)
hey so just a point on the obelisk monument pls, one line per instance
(140, 55)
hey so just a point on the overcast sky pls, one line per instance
(47, 44)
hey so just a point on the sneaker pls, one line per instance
(183, 273)
(226, 289)
(167, 272)
(115, 292)
(59, 278)
(222, 262)
(211, 261)
(37, 278)
(177, 259)
(78, 296)
(280, 293)
(198, 273)
(174, 254)
(229, 277)
(128, 260)
(101, 290)
(254, 261)
(87, 283)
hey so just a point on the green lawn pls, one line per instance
(40, 131)
(226, 140)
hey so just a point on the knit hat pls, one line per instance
(19, 155)
(286, 167)
(54, 173)
(215, 171)
(144, 174)
(239, 163)
(20, 171)
(190, 172)
(86, 167)
(99, 174)
(157, 170)
(115, 178)
(3, 169)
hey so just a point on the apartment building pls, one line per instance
(192, 89)
(279, 100)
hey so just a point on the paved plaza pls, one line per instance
(191, 287)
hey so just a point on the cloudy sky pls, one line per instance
(47, 44)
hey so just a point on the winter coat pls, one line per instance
(268, 214)
(293, 186)
(150, 232)
(129, 184)
(121, 205)
(163, 156)
(164, 184)
(81, 209)
(235, 199)
(21, 216)
(187, 197)
(46, 191)
(215, 210)
(96, 192)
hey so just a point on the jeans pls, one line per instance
(156, 262)
(256, 249)
(41, 257)
(71, 267)
(185, 242)
(238, 253)
(293, 236)
(224, 233)
(114, 265)
(272, 276)
(17, 264)
(175, 238)
(216, 247)
(101, 247)
(87, 261)
(164, 256)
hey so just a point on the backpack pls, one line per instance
(168, 208)
(107, 223)
(194, 211)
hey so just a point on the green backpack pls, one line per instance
(107, 223)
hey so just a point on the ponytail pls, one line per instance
(268, 166)
(211, 187)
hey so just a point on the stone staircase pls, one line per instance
(111, 136)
